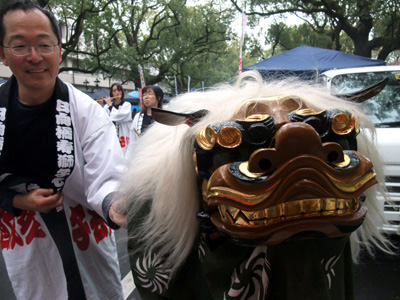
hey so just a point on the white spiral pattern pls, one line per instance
(152, 274)
(250, 280)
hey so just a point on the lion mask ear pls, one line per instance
(365, 94)
(173, 118)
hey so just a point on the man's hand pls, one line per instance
(118, 213)
(40, 200)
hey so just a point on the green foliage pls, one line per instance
(3, 2)
(168, 38)
(368, 28)
(282, 38)
(171, 38)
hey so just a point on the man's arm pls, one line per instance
(108, 202)
(6, 201)
(118, 213)
(41, 200)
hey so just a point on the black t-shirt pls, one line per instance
(147, 121)
(29, 147)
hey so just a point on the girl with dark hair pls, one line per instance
(119, 112)
(152, 97)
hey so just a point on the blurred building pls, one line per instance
(88, 83)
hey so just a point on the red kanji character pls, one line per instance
(99, 227)
(122, 141)
(28, 222)
(4, 233)
(9, 238)
(80, 228)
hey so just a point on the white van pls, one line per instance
(384, 111)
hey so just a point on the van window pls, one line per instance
(384, 108)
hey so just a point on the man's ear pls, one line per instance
(3, 57)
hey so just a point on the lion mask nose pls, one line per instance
(293, 140)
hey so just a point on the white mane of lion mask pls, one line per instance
(162, 170)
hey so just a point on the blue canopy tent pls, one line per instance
(133, 94)
(133, 98)
(101, 93)
(98, 94)
(308, 62)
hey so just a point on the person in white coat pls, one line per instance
(120, 113)
(152, 97)
(60, 164)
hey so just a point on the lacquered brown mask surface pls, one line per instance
(281, 170)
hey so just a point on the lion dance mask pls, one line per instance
(258, 193)
(290, 172)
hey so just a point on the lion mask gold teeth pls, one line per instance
(281, 170)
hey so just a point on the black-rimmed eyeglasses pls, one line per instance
(24, 50)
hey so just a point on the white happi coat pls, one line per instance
(122, 117)
(32, 258)
(136, 127)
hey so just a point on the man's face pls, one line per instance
(34, 72)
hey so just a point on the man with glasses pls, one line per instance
(44, 48)
(60, 162)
